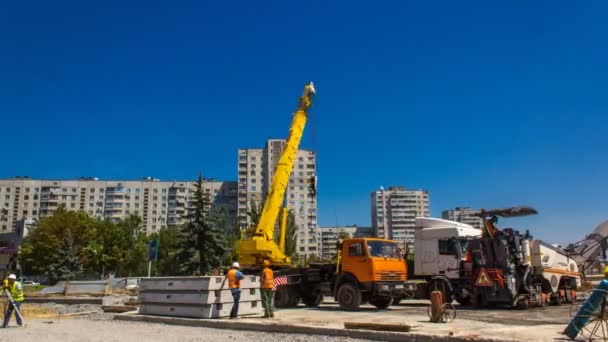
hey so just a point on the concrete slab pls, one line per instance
(205, 297)
(194, 283)
(200, 311)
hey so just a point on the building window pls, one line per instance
(8, 189)
(91, 205)
(101, 198)
(91, 198)
(136, 205)
(155, 205)
(34, 212)
(27, 189)
(101, 190)
(137, 198)
(74, 190)
(64, 190)
(36, 189)
(137, 191)
(164, 205)
(25, 213)
(73, 205)
(73, 198)
(253, 188)
(26, 197)
(63, 198)
(155, 191)
(155, 198)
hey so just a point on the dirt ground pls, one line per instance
(53, 322)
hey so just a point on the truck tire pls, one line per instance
(349, 297)
(281, 297)
(313, 300)
(396, 301)
(381, 302)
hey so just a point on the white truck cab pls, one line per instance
(440, 245)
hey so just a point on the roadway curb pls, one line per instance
(64, 300)
(298, 329)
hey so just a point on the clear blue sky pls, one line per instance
(486, 103)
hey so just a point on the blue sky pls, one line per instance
(487, 104)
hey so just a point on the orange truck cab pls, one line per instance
(370, 270)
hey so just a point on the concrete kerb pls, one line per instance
(299, 329)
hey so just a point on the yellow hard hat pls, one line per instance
(266, 263)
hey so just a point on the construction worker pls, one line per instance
(234, 283)
(15, 288)
(606, 272)
(267, 285)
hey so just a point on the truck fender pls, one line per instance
(344, 278)
(444, 279)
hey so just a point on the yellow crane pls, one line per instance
(262, 245)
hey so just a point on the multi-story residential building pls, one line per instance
(464, 215)
(255, 171)
(394, 212)
(160, 204)
(330, 236)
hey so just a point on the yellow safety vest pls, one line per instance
(17, 292)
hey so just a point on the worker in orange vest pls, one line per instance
(267, 285)
(234, 283)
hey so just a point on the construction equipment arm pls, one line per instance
(280, 179)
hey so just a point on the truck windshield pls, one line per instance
(383, 249)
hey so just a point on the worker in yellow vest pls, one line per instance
(234, 283)
(15, 288)
(267, 285)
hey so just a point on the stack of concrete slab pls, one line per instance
(197, 297)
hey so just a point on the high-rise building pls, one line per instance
(330, 236)
(160, 204)
(394, 212)
(464, 215)
(255, 170)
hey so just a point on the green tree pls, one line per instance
(66, 262)
(254, 214)
(202, 240)
(41, 247)
(168, 245)
(291, 236)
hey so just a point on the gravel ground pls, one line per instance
(88, 330)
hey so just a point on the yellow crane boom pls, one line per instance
(262, 245)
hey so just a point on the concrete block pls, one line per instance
(194, 283)
(202, 297)
(200, 311)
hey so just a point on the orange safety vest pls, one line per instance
(268, 278)
(233, 282)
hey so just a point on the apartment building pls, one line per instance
(255, 171)
(160, 204)
(394, 212)
(464, 215)
(330, 236)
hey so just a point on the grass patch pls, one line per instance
(34, 289)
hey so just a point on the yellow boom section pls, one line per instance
(262, 245)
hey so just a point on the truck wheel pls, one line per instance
(381, 302)
(349, 297)
(281, 297)
(314, 300)
(463, 300)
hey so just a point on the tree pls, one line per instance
(291, 236)
(254, 214)
(343, 236)
(41, 248)
(202, 240)
(66, 263)
(168, 244)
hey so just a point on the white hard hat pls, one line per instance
(12, 276)
(236, 264)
